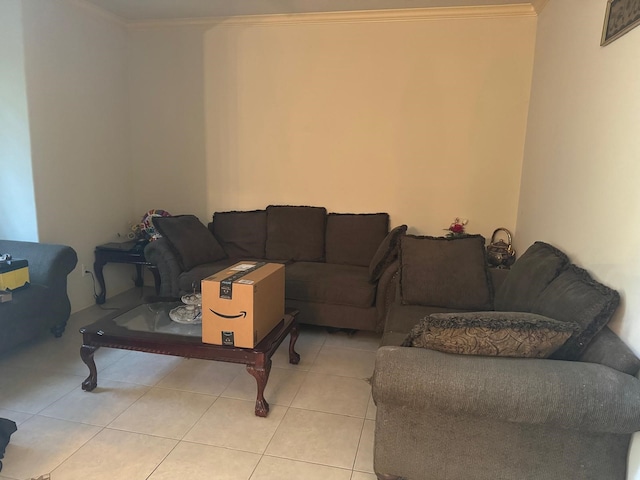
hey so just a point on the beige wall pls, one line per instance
(423, 119)
(17, 200)
(166, 108)
(77, 91)
(580, 180)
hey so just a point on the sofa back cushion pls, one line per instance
(295, 233)
(574, 296)
(241, 234)
(528, 277)
(607, 349)
(352, 239)
(192, 242)
(445, 272)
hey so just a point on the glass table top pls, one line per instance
(154, 317)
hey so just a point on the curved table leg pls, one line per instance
(294, 357)
(97, 268)
(86, 353)
(261, 374)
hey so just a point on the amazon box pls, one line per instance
(242, 304)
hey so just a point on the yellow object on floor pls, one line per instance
(14, 274)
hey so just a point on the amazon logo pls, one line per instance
(229, 317)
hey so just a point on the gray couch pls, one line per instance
(452, 416)
(338, 267)
(43, 305)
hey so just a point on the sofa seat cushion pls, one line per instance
(295, 233)
(574, 296)
(352, 239)
(241, 234)
(528, 277)
(445, 272)
(191, 241)
(402, 318)
(191, 279)
(500, 334)
(329, 283)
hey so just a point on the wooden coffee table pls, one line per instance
(148, 328)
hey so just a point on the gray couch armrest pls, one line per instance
(386, 293)
(573, 395)
(49, 264)
(160, 254)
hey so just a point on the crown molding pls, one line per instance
(392, 15)
(538, 5)
(97, 11)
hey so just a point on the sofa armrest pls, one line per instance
(160, 254)
(573, 395)
(386, 293)
(49, 264)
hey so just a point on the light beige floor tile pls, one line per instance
(282, 386)
(308, 352)
(202, 376)
(360, 340)
(41, 444)
(371, 410)
(115, 455)
(364, 457)
(30, 391)
(164, 413)
(317, 437)
(98, 407)
(141, 368)
(363, 476)
(193, 461)
(311, 334)
(345, 362)
(18, 417)
(274, 468)
(333, 394)
(231, 423)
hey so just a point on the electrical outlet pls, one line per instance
(84, 270)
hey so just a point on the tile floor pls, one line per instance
(160, 417)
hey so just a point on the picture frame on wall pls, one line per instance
(620, 17)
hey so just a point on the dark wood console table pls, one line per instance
(125, 252)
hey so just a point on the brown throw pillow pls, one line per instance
(192, 242)
(386, 253)
(295, 233)
(352, 239)
(500, 334)
(445, 272)
(241, 234)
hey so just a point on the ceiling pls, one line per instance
(137, 10)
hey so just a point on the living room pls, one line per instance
(500, 117)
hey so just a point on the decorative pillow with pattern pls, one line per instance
(500, 334)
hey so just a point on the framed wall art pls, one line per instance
(620, 17)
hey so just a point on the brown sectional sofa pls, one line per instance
(476, 416)
(338, 267)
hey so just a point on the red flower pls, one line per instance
(457, 228)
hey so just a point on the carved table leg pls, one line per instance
(86, 353)
(97, 268)
(294, 357)
(261, 374)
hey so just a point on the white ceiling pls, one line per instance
(136, 10)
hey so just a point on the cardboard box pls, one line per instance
(242, 304)
(14, 274)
